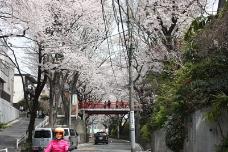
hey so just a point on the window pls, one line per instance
(42, 134)
(1, 85)
(66, 132)
(72, 132)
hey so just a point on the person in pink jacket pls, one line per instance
(58, 144)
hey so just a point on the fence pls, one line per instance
(20, 140)
(7, 112)
(43, 123)
(5, 150)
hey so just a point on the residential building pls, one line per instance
(7, 111)
(30, 83)
(6, 79)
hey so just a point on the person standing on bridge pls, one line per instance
(58, 144)
(117, 104)
(122, 104)
(105, 104)
(109, 104)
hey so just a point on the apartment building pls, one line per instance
(7, 111)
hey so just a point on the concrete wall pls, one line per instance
(203, 136)
(158, 141)
(7, 112)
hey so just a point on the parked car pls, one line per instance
(74, 137)
(41, 138)
(71, 135)
(101, 137)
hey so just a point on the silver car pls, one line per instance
(71, 135)
(41, 138)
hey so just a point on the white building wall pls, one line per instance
(7, 112)
(7, 74)
(18, 93)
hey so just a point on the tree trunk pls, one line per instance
(51, 108)
(35, 104)
(65, 107)
(137, 126)
(51, 105)
(32, 119)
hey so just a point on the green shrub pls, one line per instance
(224, 146)
(3, 126)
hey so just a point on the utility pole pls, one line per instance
(221, 4)
(132, 115)
(130, 56)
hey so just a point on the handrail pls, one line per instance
(20, 140)
(6, 149)
(103, 105)
(42, 124)
(113, 105)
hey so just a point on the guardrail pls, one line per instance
(20, 140)
(6, 149)
(42, 124)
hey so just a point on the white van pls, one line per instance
(41, 138)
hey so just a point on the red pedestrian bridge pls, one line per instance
(117, 107)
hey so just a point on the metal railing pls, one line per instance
(103, 105)
(5, 150)
(42, 124)
(20, 140)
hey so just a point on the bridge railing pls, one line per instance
(103, 105)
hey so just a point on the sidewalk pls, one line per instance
(138, 147)
(17, 128)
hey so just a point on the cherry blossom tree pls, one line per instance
(56, 28)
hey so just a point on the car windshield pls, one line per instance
(42, 134)
(66, 132)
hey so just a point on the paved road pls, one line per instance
(9, 136)
(113, 146)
